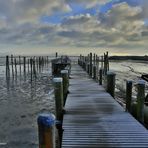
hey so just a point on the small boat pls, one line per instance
(59, 64)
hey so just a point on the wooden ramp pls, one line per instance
(94, 119)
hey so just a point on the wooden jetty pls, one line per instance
(94, 119)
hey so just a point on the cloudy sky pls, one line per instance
(74, 26)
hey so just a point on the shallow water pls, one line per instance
(21, 101)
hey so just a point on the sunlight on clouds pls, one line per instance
(21, 11)
(121, 27)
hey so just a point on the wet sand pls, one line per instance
(128, 70)
(20, 104)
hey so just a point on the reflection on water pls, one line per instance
(21, 100)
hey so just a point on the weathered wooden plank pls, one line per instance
(94, 119)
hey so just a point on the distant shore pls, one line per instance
(140, 58)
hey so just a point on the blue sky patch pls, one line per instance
(78, 9)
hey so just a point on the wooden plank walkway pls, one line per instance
(94, 119)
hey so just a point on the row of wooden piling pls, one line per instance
(98, 68)
(137, 108)
(47, 129)
(32, 65)
(95, 65)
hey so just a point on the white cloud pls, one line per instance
(145, 8)
(87, 3)
(22, 11)
(121, 27)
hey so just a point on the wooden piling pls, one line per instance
(15, 63)
(34, 67)
(97, 66)
(140, 100)
(102, 62)
(64, 74)
(85, 63)
(28, 64)
(100, 76)
(20, 64)
(47, 61)
(107, 61)
(39, 64)
(12, 66)
(7, 67)
(88, 68)
(56, 54)
(111, 83)
(46, 130)
(91, 65)
(106, 67)
(58, 92)
(31, 71)
(128, 95)
(42, 63)
(24, 65)
(94, 59)
(94, 72)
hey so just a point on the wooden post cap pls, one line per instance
(46, 120)
(129, 81)
(110, 73)
(64, 71)
(56, 80)
(141, 82)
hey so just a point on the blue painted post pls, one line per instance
(46, 130)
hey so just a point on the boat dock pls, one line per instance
(94, 118)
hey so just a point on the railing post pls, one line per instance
(140, 100)
(56, 55)
(90, 70)
(46, 130)
(58, 91)
(128, 95)
(97, 66)
(111, 83)
(100, 76)
(64, 74)
(94, 72)
(7, 67)
(94, 59)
